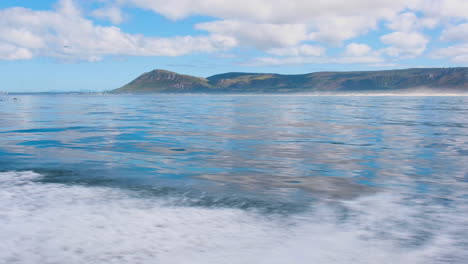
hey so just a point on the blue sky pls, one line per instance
(103, 44)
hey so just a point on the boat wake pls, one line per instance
(58, 223)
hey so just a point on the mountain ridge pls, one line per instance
(163, 81)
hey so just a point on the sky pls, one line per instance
(99, 45)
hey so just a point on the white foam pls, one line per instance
(54, 223)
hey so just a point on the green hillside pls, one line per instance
(438, 79)
(158, 81)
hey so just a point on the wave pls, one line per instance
(57, 223)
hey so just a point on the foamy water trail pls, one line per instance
(56, 223)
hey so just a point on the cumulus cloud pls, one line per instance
(359, 53)
(356, 49)
(66, 34)
(456, 53)
(359, 59)
(409, 22)
(113, 14)
(301, 50)
(456, 33)
(273, 11)
(11, 52)
(276, 25)
(331, 30)
(259, 35)
(336, 29)
(293, 30)
(331, 21)
(405, 44)
(444, 9)
(300, 60)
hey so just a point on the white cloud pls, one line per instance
(456, 33)
(356, 49)
(66, 34)
(113, 14)
(331, 21)
(301, 50)
(387, 65)
(300, 60)
(277, 27)
(404, 44)
(272, 11)
(336, 29)
(456, 53)
(409, 22)
(21, 37)
(11, 52)
(261, 36)
(404, 22)
(444, 9)
(359, 53)
(358, 59)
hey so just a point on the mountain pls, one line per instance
(158, 81)
(437, 79)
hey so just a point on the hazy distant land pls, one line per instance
(406, 81)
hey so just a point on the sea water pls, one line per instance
(233, 179)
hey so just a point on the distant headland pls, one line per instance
(423, 79)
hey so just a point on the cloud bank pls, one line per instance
(282, 32)
(66, 34)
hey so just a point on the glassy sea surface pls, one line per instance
(233, 179)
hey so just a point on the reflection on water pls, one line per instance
(389, 174)
(335, 187)
(375, 141)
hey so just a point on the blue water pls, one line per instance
(233, 179)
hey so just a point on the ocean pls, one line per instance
(180, 178)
